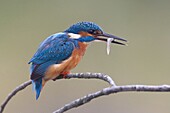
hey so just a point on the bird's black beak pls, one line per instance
(115, 40)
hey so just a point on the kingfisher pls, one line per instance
(61, 52)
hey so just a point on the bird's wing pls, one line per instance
(55, 49)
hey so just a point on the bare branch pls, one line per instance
(112, 90)
(92, 75)
(106, 91)
(75, 75)
(10, 95)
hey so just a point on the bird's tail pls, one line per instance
(37, 86)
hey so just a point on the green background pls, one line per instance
(146, 59)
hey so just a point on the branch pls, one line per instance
(15, 91)
(76, 75)
(100, 76)
(106, 91)
(112, 90)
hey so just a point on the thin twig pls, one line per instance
(10, 95)
(74, 75)
(112, 90)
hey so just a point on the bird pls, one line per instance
(61, 52)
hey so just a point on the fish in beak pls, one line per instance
(110, 39)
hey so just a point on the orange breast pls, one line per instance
(76, 56)
(67, 65)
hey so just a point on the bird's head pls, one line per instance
(89, 31)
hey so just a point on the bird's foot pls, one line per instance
(58, 77)
(64, 74)
(61, 76)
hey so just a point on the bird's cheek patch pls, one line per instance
(74, 36)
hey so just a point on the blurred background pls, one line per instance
(146, 59)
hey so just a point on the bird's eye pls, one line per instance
(91, 31)
(95, 32)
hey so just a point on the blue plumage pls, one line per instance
(86, 39)
(83, 26)
(37, 86)
(53, 50)
(59, 47)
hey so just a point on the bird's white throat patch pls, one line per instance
(74, 36)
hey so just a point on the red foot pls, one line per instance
(64, 74)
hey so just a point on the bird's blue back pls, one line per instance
(55, 49)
